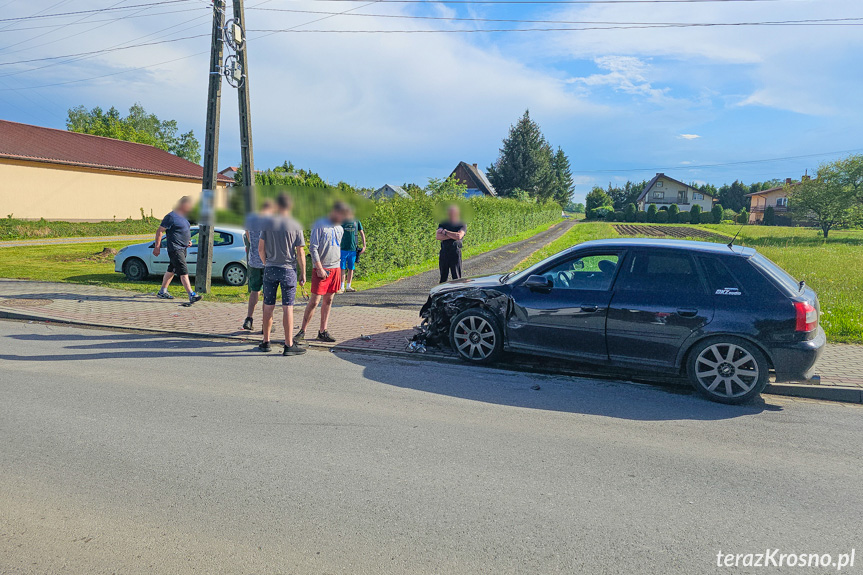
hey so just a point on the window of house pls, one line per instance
(658, 195)
(782, 202)
(697, 196)
(659, 184)
(681, 196)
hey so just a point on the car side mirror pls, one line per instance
(539, 283)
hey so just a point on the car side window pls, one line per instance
(593, 272)
(222, 239)
(720, 281)
(660, 272)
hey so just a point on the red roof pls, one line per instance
(38, 144)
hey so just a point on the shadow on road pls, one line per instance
(579, 395)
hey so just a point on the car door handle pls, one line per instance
(589, 308)
(687, 312)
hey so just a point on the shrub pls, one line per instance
(662, 217)
(629, 212)
(683, 218)
(641, 217)
(729, 215)
(603, 213)
(620, 217)
(695, 214)
(769, 216)
(743, 217)
(716, 212)
(402, 229)
(727, 222)
(673, 210)
(651, 213)
(706, 218)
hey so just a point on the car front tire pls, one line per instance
(476, 336)
(727, 369)
(135, 269)
(235, 274)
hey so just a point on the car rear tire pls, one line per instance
(727, 369)
(235, 274)
(135, 269)
(476, 336)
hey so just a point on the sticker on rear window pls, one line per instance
(728, 291)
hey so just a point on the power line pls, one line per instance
(523, 30)
(103, 51)
(522, 21)
(516, 2)
(127, 17)
(94, 11)
(741, 163)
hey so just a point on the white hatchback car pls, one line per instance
(229, 257)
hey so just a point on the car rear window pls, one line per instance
(779, 276)
(720, 280)
(661, 271)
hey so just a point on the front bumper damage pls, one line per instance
(439, 311)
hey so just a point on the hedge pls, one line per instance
(401, 230)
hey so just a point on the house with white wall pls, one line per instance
(664, 191)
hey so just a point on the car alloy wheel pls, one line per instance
(728, 371)
(235, 275)
(475, 336)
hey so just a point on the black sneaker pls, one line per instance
(193, 297)
(300, 338)
(325, 336)
(247, 325)
(294, 350)
(264, 346)
(164, 295)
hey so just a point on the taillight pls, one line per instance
(807, 316)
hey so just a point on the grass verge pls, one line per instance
(832, 267)
(15, 229)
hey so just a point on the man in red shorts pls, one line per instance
(325, 248)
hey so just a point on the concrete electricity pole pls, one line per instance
(204, 264)
(248, 163)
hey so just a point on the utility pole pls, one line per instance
(248, 162)
(204, 264)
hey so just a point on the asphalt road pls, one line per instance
(413, 291)
(125, 453)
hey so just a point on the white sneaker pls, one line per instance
(350, 289)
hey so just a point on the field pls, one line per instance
(833, 268)
(92, 263)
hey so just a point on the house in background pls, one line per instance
(471, 176)
(664, 191)
(388, 191)
(230, 172)
(777, 198)
(60, 175)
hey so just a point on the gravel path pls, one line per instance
(413, 291)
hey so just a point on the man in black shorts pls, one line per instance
(450, 234)
(281, 250)
(178, 237)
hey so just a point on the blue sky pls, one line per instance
(388, 108)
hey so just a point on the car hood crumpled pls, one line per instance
(443, 306)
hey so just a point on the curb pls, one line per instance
(840, 394)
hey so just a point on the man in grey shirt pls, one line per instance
(254, 228)
(281, 251)
(325, 246)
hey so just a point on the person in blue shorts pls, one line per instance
(351, 251)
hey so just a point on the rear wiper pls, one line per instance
(802, 285)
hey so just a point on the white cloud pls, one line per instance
(689, 136)
(624, 73)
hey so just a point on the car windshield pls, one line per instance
(531, 270)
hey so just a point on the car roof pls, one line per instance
(231, 229)
(687, 245)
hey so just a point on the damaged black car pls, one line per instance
(724, 316)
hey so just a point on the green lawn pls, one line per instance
(79, 263)
(833, 268)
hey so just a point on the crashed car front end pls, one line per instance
(442, 307)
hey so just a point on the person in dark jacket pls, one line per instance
(450, 234)
(178, 237)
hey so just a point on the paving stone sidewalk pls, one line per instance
(362, 328)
